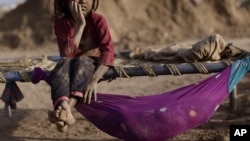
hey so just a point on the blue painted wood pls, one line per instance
(159, 69)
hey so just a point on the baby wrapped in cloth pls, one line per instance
(212, 48)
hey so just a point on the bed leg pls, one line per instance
(233, 99)
(7, 110)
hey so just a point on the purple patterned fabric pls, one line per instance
(158, 117)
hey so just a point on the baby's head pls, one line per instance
(232, 51)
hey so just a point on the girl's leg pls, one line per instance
(70, 75)
(60, 82)
(81, 74)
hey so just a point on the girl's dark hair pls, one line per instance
(95, 5)
(61, 7)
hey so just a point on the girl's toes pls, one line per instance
(62, 127)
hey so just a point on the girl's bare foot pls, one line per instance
(63, 113)
(63, 117)
(61, 126)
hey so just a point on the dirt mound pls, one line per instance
(27, 25)
(135, 23)
(148, 22)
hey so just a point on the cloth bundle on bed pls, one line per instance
(212, 48)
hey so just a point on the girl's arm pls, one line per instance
(69, 32)
(80, 22)
(91, 89)
(106, 58)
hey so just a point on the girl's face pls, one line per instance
(86, 5)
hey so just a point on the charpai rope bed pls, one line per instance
(144, 118)
(21, 69)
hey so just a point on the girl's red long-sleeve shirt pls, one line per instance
(95, 42)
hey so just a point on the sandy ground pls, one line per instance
(29, 122)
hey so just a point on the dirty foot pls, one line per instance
(61, 126)
(63, 113)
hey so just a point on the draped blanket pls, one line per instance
(163, 116)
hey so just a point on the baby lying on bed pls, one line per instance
(212, 48)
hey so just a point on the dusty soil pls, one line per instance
(133, 24)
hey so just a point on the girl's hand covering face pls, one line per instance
(77, 13)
